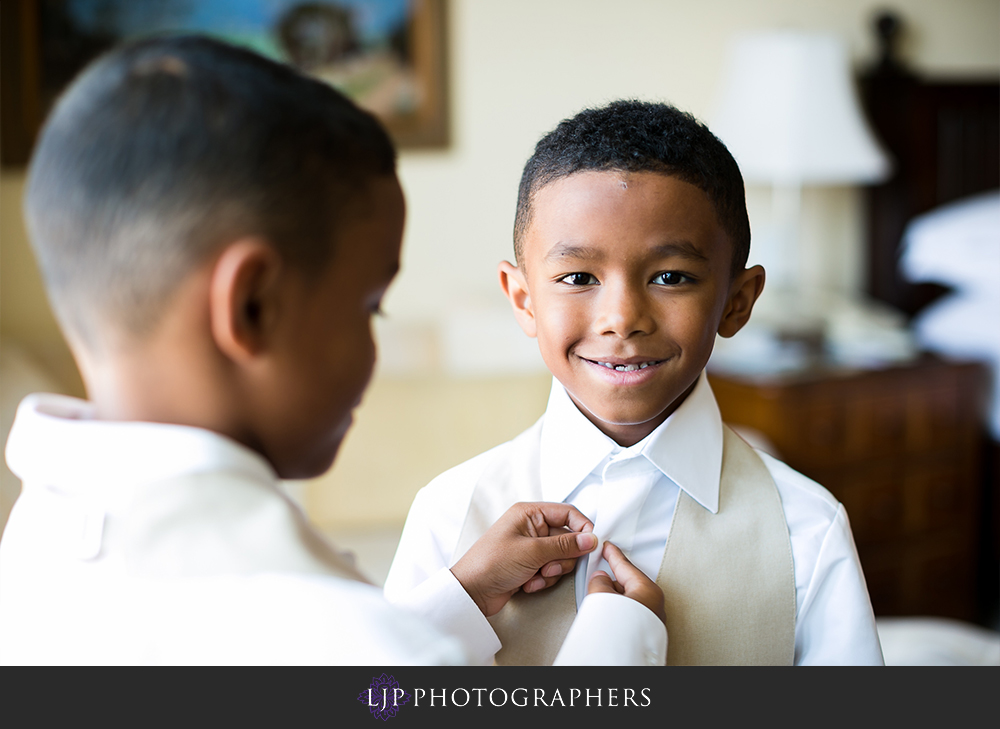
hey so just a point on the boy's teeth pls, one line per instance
(628, 367)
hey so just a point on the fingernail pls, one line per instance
(586, 541)
(552, 570)
(534, 583)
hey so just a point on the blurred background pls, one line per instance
(868, 135)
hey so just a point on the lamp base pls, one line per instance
(794, 330)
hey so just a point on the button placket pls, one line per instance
(625, 486)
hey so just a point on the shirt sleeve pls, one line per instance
(425, 545)
(275, 619)
(614, 630)
(443, 602)
(419, 578)
(836, 624)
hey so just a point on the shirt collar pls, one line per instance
(686, 447)
(55, 440)
(571, 447)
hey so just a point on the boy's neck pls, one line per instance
(148, 386)
(174, 375)
(628, 434)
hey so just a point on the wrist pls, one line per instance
(469, 587)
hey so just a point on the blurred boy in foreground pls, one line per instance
(215, 232)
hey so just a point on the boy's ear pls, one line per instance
(743, 293)
(515, 288)
(243, 298)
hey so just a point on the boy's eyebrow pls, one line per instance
(682, 249)
(570, 250)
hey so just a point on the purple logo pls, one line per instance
(384, 697)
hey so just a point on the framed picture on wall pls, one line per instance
(389, 56)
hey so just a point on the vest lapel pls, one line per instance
(531, 628)
(727, 578)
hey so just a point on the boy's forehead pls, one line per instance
(599, 202)
(596, 183)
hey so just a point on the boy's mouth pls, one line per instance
(627, 366)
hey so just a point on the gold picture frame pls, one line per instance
(390, 56)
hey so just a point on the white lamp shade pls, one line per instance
(789, 113)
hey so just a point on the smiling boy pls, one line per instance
(624, 278)
(631, 240)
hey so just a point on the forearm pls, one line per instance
(614, 630)
(442, 601)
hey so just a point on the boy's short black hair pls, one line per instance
(639, 136)
(164, 149)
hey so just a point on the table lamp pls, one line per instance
(789, 113)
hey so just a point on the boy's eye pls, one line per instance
(670, 278)
(578, 279)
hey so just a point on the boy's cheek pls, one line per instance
(560, 321)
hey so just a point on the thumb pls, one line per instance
(602, 582)
(563, 546)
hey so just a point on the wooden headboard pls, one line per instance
(944, 138)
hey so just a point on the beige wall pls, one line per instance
(25, 316)
(408, 431)
(520, 66)
(517, 68)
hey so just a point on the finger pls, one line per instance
(535, 584)
(625, 571)
(560, 567)
(539, 583)
(560, 547)
(562, 515)
(601, 582)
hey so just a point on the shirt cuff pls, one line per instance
(614, 630)
(442, 601)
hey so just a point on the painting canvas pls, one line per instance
(387, 55)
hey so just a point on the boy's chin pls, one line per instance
(316, 458)
(313, 466)
(633, 421)
(617, 414)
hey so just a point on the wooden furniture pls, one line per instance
(944, 138)
(900, 449)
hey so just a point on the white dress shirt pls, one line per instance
(834, 620)
(140, 543)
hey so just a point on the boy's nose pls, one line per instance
(624, 312)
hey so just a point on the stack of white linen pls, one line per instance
(958, 245)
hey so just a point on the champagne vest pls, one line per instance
(727, 578)
(215, 523)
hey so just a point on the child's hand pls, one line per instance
(631, 582)
(531, 546)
